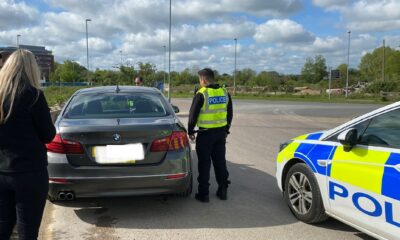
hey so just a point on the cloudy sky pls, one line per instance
(273, 35)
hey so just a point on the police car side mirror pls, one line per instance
(348, 138)
(176, 109)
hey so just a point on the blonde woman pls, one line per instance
(25, 127)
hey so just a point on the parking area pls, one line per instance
(255, 208)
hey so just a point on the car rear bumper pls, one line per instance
(173, 175)
(120, 186)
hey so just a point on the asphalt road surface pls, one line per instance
(255, 208)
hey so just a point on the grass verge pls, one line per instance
(57, 95)
(307, 98)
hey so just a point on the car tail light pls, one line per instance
(177, 140)
(59, 145)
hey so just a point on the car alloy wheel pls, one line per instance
(300, 193)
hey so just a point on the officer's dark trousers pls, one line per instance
(210, 146)
(22, 201)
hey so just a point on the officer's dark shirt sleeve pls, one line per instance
(42, 119)
(197, 103)
(229, 113)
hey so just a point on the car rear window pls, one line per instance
(116, 105)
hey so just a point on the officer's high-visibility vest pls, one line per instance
(213, 113)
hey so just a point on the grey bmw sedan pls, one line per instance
(118, 141)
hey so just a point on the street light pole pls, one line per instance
(73, 70)
(348, 64)
(169, 56)
(330, 82)
(383, 62)
(87, 45)
(120, 52)
(234, 71)
(165, 54)
(18, 35)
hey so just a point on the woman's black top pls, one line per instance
(23, 136)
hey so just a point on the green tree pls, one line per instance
(314, 70)
(320, 68)
(371, 65)
(245, 76)
(308, 72)
(261, 79)
(224, 79)
(54, 75)
(68, 71)
(186, 77)
(128, 74)
(147, 71)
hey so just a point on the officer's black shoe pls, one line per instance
(202, 198)
(222, 193)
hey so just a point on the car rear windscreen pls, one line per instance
(116, 105)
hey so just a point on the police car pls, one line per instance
(351, 173)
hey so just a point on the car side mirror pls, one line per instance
(348, 138)
(176, 109)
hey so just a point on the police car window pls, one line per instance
(360, 130)
(383, 131)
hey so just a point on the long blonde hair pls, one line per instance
(20, 69)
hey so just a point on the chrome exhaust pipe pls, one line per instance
(69, 196)
(62, 196)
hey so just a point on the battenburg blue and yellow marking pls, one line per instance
(350, 167)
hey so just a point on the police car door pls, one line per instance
(364, 182)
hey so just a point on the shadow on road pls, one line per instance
(252, 203)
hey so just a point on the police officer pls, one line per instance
(211, 111)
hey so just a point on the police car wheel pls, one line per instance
(302, 194)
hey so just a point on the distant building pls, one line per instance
(44, 58)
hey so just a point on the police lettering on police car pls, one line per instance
(336, 189)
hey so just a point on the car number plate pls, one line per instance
(114, 154)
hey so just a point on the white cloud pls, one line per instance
(186, 37)
(97, 44)
(334, 49)
(374, 16)
(366, 15)
(202, 31)
(282, 31)
(83, 6)
(270, 8)
(261, 8)
(331, 4)
(393, 41)
(140, 14)
(374, 25)
(325, 45)
(16, 14)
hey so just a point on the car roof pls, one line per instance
(104, 89)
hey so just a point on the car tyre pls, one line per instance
(302, 194)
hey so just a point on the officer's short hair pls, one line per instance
(207, 73)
